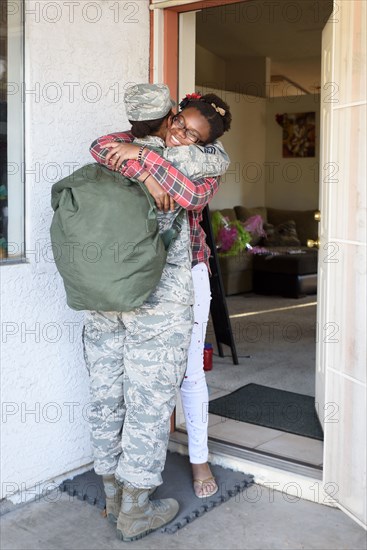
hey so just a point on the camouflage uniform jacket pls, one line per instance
(204, 162)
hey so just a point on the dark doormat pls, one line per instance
(278, 409)
(177, 483)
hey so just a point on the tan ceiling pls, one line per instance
(286, 31)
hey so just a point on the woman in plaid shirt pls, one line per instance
(201, 121)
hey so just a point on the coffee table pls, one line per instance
(292, 273)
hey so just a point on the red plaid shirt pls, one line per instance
(191, 195)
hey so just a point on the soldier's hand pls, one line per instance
(120, 152)
(162, 199)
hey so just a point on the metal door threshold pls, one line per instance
(239, 453)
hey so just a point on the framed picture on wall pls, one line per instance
(298, 134)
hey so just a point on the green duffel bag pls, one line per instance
(105, 240)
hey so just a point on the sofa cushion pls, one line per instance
(244, 213)
(234, 264)
(307, 227)
(227, 213)
(284, 234)
(237, 282)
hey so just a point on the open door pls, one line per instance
(341, 342)
(341, 346)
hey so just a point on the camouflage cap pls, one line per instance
(147, 101)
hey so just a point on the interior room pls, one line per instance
(265, 62)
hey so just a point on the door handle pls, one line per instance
(313, 244)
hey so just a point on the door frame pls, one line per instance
(165, 35)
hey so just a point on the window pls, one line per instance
(11, 132)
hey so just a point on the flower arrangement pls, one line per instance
(254, 225)
(234, 237)
(231, 237)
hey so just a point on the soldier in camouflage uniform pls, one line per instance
(137, 361)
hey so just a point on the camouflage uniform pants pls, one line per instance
(136, 361)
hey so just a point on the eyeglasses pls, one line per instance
(179, 122)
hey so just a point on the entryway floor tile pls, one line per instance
(241, 433)
(294, 446)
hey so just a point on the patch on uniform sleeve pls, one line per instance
(210, 149)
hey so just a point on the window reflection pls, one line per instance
(3, 137)
(11, 131)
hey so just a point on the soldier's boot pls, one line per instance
(113, 493)
(139, 516)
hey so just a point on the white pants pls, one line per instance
(194, 391)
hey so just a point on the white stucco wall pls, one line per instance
(78, 61)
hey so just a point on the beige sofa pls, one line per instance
(237, 271)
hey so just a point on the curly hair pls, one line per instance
(211, 107)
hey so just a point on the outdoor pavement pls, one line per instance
(256, 519)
